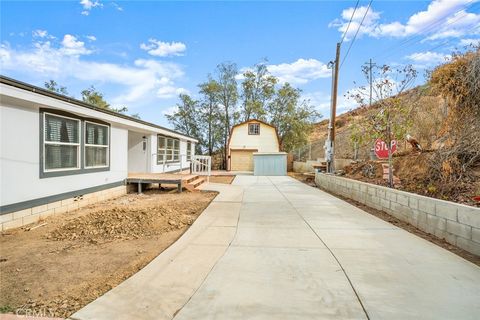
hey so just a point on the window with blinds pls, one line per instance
(96, 145)
(61, 143)
(168, 149)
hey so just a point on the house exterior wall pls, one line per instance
(266, 141)
(27, 195)
(35, 214)
(137, 157)
(20, 159)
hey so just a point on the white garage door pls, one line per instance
(241, 160)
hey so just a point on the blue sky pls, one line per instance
(142, 54)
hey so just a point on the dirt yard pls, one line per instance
(222, 179)
(60, 267)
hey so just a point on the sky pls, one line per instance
(143, 54)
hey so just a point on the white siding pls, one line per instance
(20, 159)
(137, 157)
(266, 141)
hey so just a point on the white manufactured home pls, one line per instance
(58, 153)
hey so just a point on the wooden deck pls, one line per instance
(161, 178)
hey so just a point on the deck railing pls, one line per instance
(202, 165)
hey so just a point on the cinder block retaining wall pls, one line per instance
(23, 217)
(456, 223)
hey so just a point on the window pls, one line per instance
(61, 141)
(96, 145)
(189, 150)
(254, 128)
(72, 145)
(168, 149)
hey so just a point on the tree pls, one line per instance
(258, 87)
(228, 97)
(94, 97)
(457, 150)
(389, 118)
(53, 86)
(292, 118)
(186, 118)
(211, 114)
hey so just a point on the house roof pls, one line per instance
(28, 87)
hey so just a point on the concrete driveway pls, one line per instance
(274, 248)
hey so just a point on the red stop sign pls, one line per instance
(381, 149)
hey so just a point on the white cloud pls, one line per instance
(441, 19)
(428, 58)
(117, 6)
(88, 5)
(163, 49)
(91, 38)
(322, 102)
(300, 71)
(39, 33)
(368, 26)
(139, 82)
(167, 92)
(73, 47)
(470, 42)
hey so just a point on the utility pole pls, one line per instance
(330, 143)
(370, 66)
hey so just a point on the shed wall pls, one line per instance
(270, 165)
(266, 141)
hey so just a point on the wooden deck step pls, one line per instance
(193, 185)
(192, 178)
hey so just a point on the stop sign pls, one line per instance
(381, 149)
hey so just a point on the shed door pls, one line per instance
(241, 160)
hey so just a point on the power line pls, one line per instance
(450, 40)
(349, 22)
(408, 46)
(418, 36)
(356, 33)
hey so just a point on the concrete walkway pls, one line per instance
(274, 248)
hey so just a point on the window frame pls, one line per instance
(169, 157)
(189, 150)
(45, 142)
(251, 125)
(81, 168)
(85, 145)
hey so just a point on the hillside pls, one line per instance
(443, 116)
(428, 111)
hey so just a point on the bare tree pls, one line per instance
(389, 117)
